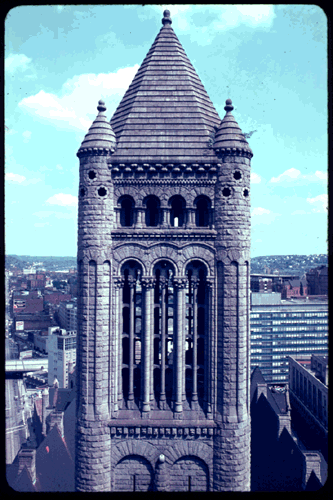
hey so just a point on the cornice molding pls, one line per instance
(153, 169)
(165, 235)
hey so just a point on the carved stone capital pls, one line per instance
(209, 283)
(131, 281)
(118, 282)
(195, 282)
(148, 282)
(180, 283)
(163, 282)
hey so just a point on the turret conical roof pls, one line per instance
(229, 134)
(166, 113)
(100, 135)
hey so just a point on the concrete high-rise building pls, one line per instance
(61, 355)
(68, 315)
(163, 366)
(282, 328)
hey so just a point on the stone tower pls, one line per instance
(163, 307)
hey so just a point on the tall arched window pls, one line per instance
(202, 212)
(196, 334)
(127, 211)
(131, 323)
(152, 211)
(163, 333)
(177, 214)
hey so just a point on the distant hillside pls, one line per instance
(49, 263)
(287, 264)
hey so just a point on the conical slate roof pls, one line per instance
(229, 135)
(100, 135)
(166, 113)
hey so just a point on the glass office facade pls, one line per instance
(291, 328)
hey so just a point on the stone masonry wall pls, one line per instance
(232, 223)
(185, 456)
(95, 221)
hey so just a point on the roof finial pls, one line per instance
(166, 19)
(228, 106)
(101, 105)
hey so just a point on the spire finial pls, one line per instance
(166, 18)
(101, 105)
(228, 106)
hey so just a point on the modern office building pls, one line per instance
(285, 328)
(68, 315)
(61, 356)
(308, 384)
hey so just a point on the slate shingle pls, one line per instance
(166, 114)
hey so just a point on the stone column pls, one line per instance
(130, 402)
(148, 302)
(117, 210)
(208, 379)
(165, 211)
(140, 215)
(162, 402)
(115, 354)
(179, 287)
(119, 314)
(190, 218)
(194, 400)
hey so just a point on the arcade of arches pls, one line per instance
(163, 333)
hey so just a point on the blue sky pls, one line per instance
(270, 60)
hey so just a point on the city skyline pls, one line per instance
(276, 53)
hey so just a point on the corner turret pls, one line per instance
(100, 137)
(229, 137)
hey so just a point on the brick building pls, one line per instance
(295, 288)
(163, 288)
(318, 280)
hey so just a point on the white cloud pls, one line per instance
(260, 211)
(26, 136)
(262, 215)
(17, 62)
(10, 177)
(319, 203)
(295, 176)
(255, 178)
(82, 92)
(321, 175)
(63, 200)
(204, 22)
(59, 167)
(287, 176)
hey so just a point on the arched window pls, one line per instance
(202, 212)
(131, 324)
(127, 212)
(152, 211)
(177, 214)
(195, 332)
